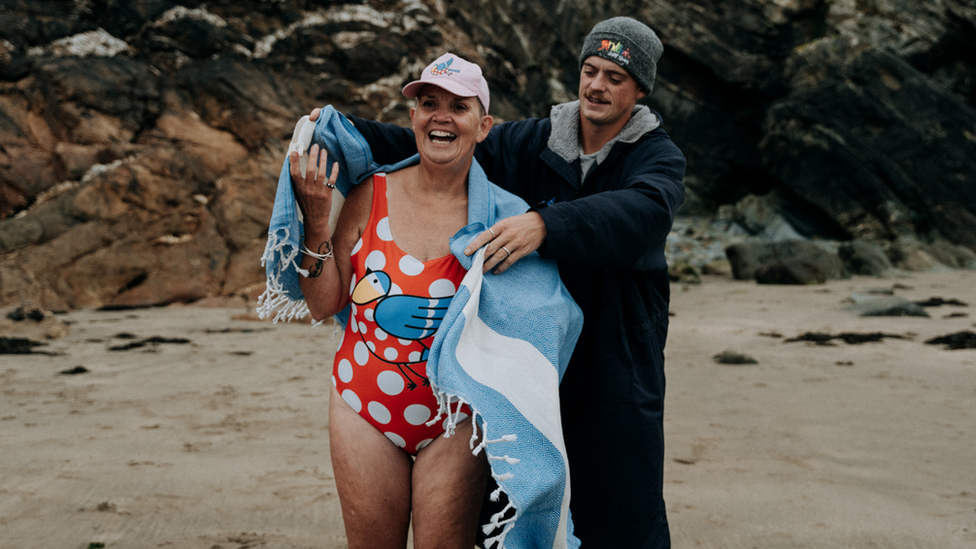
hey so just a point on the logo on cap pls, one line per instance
(615, 51)
(443, 68)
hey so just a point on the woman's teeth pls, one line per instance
(442, 136)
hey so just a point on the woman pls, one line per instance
(390, 259)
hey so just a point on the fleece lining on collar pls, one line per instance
(564, 139)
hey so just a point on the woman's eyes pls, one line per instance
(458, 107)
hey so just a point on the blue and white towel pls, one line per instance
(502, 348)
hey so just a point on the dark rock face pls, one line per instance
(866, 140)
(140, 141)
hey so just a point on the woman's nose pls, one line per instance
(442, 113)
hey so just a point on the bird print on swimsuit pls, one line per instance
(405, 317)
(397, 305)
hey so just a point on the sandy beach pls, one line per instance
(200, 427)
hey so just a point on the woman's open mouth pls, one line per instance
(440, 136)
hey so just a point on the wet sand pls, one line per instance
(221, 441)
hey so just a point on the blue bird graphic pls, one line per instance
(445, 67)
(405, 317)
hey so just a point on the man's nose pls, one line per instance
(599, 82)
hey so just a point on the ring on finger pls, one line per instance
(506, 251)
(330, 185)
(493, 235)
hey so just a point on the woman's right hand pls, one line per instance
(312, 191)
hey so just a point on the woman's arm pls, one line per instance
(326, 255)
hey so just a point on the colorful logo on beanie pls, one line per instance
(614, 51)
(441, 69)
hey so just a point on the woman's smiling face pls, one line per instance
(447, 126)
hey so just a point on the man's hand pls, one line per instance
(509, 240)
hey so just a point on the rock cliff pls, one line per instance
(140, 140)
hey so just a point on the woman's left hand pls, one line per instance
(509, 240)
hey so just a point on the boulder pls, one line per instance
(760, 216)
(861, 257)
(784, 262)
(874, 305)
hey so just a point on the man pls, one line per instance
(606, 183)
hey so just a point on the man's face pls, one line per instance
(607, 92)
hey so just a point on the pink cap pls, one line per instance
(455, 75)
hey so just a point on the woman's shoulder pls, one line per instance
(358, 203)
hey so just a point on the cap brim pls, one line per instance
(413, 89)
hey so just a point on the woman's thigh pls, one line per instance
(373, 478)
(448, 486)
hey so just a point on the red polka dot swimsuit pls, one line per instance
(397, 302)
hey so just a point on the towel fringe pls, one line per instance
(506, 459)
(497, 522)
(275, 301)
(446, 409)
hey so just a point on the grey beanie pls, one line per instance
(628, 43)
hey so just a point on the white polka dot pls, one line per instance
(416, 414)
(357, 247)
(379, 412)
(383, 229)
(442, 288)
(345, 370)
(404, 342)
(360, 353)
(390, 354)
(362, 327)
(411, 266)
(352, 285)
(390, 382)
(381, 335)
(396, 439)
(415, 356)
(334, 384)
(395, 290)
(376, 260)
(371, 345)
(355, 325)
(423, 443)
(368, 314)
(352, 399)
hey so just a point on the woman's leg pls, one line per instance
(373, 480)
(448, 486)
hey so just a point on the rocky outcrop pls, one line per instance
(868, 142)
(140, 140)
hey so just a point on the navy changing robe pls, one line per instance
(608, 236)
